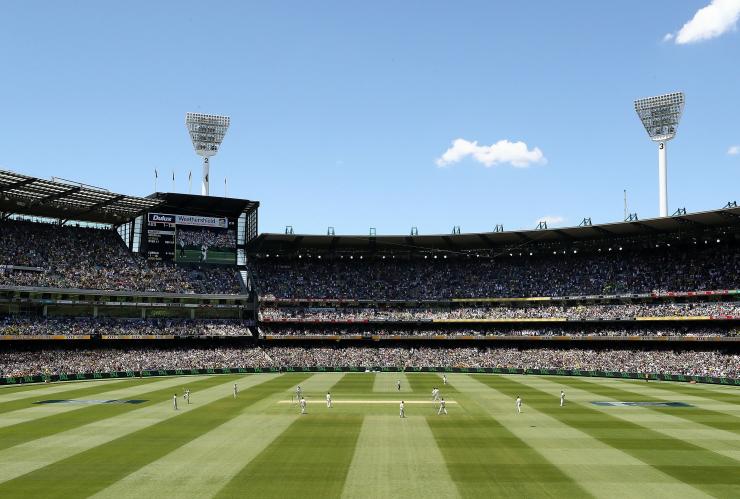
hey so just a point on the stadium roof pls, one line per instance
(20, 194)
(191, 204)
(727, 217)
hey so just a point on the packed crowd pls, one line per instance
(59, 360)
(212, 238)
(577, 312)
(590, 331)
(20, 326)
(86, 258)
(69, 326)
(615, 272)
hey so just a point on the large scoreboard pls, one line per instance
(191, 238)
(160, 237)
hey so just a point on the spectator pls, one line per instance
(86, 258)
(32, 361)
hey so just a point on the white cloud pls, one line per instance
(550, 220)
(734, 151)
(668, 37)
(515, 153)
(716, 19)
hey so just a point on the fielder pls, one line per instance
(442, 408)
(562, 398)
(402, 410)
(236, 390)
(174, 401)
(398, 385)
(444, 379)
(328, 400)
(518, 404)
(186, 396)
(303, 406)
(298, 392)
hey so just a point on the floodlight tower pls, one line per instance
(207, 132)
(660, 116)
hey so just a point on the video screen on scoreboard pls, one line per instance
(205, 245)
(196, 239)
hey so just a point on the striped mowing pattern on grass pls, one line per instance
(14, 403)
(25, 424)
(258, 445)
(703, 469)
(48, 419)
(675, 422)
(389, 454)
(34, 454)
(724, 403)
(599, 468)
(11, 393)
(699, 415)
(312, 454)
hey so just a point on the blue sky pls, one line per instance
(341, 109)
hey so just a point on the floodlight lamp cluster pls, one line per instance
(207, 132)
(660, 115)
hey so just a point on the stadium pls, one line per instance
(162, 345)
(636, 321)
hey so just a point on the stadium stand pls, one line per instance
(688, 268)
(29, 361)
(724, 310)
(102, 327)
(653, 296)
(574, 331)
(47, 255)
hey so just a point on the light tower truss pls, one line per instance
(660, 116)
(207, 132)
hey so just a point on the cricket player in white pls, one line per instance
(236, 390)
(303, 406)
(186, 396)
(518, 404)
(562, 398)
(402, 410)
(442, 408)
(398, 385)
(174, 401)
(444, 379)
(298, 392)
(328, 400)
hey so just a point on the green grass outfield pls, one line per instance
(258, 445)
(214, 256)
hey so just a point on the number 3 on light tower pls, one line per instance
(661, 146)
